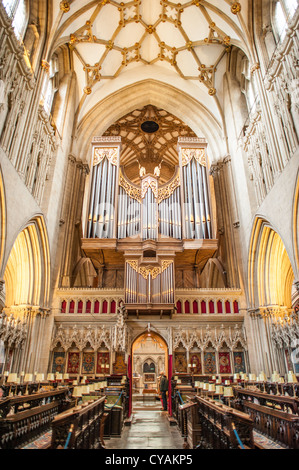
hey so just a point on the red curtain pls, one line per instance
(169, 384)
(130, 384)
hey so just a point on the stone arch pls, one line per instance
(2, 220)
(270, 273)
(27, 271)
(157, 93)
(296, 223)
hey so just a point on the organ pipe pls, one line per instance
(180, 209)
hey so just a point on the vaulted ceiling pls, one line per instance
(114, 44)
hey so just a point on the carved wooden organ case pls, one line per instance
(149, 223)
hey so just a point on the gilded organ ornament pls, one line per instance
(145, 271)
(197, 153)
(110, 153)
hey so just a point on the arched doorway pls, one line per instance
(149, 357)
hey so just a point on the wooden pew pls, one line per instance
(275, 416)
(80, 427)
(24, 418)
(221, 426)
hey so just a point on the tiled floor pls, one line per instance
(150, 429)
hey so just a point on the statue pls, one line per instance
(157, 170)
(142, 170)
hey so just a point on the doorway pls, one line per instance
(149, 359)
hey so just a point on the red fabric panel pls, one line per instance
(88, 306)
(227, 307)
(63, 307)
(224, 363)
(130, 383)
(80, 306)
(187, 307)
(96, 306)
(102, 358)
(195, 307)
(105, 306)
(236, 307)
(72, 307)
(211, 307)
(219, 306)
(169, 384)
(73, 363)
(113, 306)
(179, 307)
(203, 306)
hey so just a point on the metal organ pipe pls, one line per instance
(96, 200)
(91, 204)
(207, 205)
(195, 199)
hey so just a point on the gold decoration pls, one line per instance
(212, 91)
(236, 8)
(65, 6)
(87, 90)
(130, 189)
(45, 65)
(146, 270)
(149, 182)
(131, 12)
(197, 153)
(255, 67)
(154, 271)
(166, 191)
(111, 153)
(133, 264)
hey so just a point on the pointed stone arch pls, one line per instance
(27, 272)
(270, 273)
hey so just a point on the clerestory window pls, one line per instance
(283, 12)
(17, 11)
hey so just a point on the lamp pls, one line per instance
(212, 389)
(77, 393)
(292, 379)
(12, 378)
(66, 376)
(39, 379)
(228, 393)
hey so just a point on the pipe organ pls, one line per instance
(104, 182)
(179, 209)
(149, 284)
(195, 194)
(144, 227)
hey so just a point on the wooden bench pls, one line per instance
(24, 418)
(81, 427)
(222, 427)
(275, 416)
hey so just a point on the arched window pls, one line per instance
(17, 10)
(283, 12)
(51, 85)
(247, 85)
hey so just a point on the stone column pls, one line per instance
(227, 217)
(71, 214)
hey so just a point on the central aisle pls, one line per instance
(149, 430)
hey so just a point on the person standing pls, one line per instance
(164, 389)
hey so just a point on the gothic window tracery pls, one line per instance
(283, 12)
(17, 10)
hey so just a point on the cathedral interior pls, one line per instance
(149, 224)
